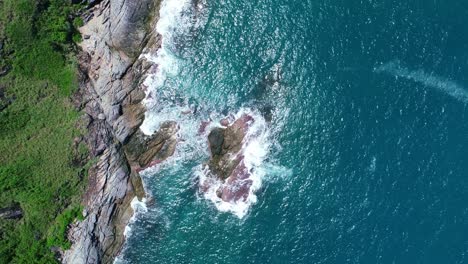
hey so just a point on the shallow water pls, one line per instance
(367, 148)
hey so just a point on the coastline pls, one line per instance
(111, 93)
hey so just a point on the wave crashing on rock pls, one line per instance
(238, 147)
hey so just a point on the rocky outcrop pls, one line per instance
(146, 151)
(225, 145)
(111, 93)
(227, 160)
(4, 100)
(12, 212)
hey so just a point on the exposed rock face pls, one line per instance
(227, 160)
(12, 212)
(4, 101)
(111, 93)
(145, 150)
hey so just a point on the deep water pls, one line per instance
(368, 148)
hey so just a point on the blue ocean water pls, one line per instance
(368, 148)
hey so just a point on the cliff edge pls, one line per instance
(111, 72)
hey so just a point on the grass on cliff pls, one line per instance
(37, 168)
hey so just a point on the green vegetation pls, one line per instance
(57, 232)
(37, 128)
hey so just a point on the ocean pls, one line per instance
(362, 151)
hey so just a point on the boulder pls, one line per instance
(147, 150)
(12, 212)
(225, 145)
(216, 140)
(227, 160)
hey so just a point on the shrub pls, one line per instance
(37, 129)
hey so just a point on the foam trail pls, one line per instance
(430, 80)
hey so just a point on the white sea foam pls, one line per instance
(170, 21)
(138, 207)
(174, 20)
(430, 80)
(373, 164)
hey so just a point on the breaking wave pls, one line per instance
(174, 20)
(166, 101)
(138, 207)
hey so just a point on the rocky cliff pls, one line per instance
(111, 72)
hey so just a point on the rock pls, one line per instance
(93, 2)
(4, 100)
(11, 212)
(99, 138)
(267, 112)
(5, 70)
(227, 160)
(129, 20)
(129, 121)
(224, 122)
(89, 2)
(216, 140)
(238, 185)
(110, 93)
(150, 150)
(203, 126)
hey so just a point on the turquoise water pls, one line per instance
(368, 147)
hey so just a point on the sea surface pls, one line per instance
(363, 152)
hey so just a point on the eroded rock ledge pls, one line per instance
(115, 34)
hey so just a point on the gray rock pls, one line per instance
(12, 212)
(4, 100)
(129, 21)
(225, 144)
(227, 160)
(5, 70)
(111, 95)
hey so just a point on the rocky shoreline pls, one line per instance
(111, 72)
